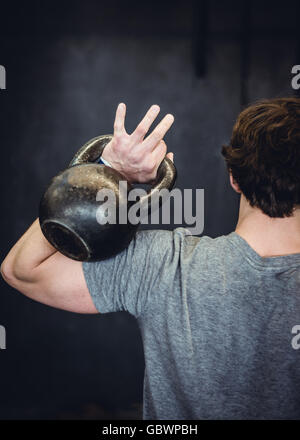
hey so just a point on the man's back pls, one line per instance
(219, 322)
(216, 321)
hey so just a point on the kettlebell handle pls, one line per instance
(92, 150)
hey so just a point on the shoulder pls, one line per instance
(180, 240)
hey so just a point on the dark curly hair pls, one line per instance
(264, 155)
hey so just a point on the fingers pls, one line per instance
(171, 156)
(158, 156)
(159, 152)
(159, 132)
(143, 127)
(119, 126)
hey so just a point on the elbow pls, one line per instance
(7, 272)
(16, 278)
(16, 274)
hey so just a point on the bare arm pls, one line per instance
(29, 252)
(37, 270)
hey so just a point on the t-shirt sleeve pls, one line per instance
(131, 279)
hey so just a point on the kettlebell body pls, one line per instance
(69, 210)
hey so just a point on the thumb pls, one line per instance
(171, 156)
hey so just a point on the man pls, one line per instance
(218, 317)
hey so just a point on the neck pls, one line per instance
(269, 237)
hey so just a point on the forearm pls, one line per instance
(27, 254)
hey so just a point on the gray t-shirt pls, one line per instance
(216, 321)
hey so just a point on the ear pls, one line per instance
(234, 184)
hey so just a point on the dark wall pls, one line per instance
(68, 66)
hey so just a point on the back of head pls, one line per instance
(264, 155)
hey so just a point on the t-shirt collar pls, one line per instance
(281, 261)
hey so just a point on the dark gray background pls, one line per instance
(69, 64)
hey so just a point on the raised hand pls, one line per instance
(133, 155)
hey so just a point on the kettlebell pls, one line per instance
(69, 210)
